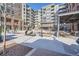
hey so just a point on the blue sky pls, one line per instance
(37, 6)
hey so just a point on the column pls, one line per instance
(12, 22)
(23, 16)
(58, 25)
(19, 24)
(71, 27)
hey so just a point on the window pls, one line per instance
(43, 12)
(52, 9)
(24, 9)
(44, 17)
(24, 5)
(8, 10)
(24, 12)
(73, 4)
(24, 15)
(2, 18)
(44, 9)
(24, 19)
(52, 6)
(77, 7)
(12, 12)
(12, 5)
(52, 12)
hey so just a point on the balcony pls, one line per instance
(8, 23)
(53, 18)
(27, 16)
(15, 23)
(47, 25)
(52, 14)
(63, 6)
(52, 6)
(62, 11)
(52, 9)
(46, 21)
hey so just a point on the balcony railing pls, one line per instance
(52, 17)
(47, 25)
(62, 11)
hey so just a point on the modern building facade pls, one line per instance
(68, 13)
(21, 17)
(68, 7)
(27, 17)
(13, 16)
(46, 19)
(18, 16)
(69, 17)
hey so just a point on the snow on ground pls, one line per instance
(49, 43)
(67, 40)
(43, 42)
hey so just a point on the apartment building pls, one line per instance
(68, 13)
(46, 16)
(13, 16)
(24, 16)
(37, 19)
(1, 11)
(32, 19)
(62, 8)
(18, 16)
(68, 7)
(27, 17)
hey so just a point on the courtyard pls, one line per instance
(53, 30)
(37, 45)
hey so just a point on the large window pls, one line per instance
(73, 4)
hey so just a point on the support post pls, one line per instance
(58, 26)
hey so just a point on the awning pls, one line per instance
(69, 17)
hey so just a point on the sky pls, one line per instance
(37, 6)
